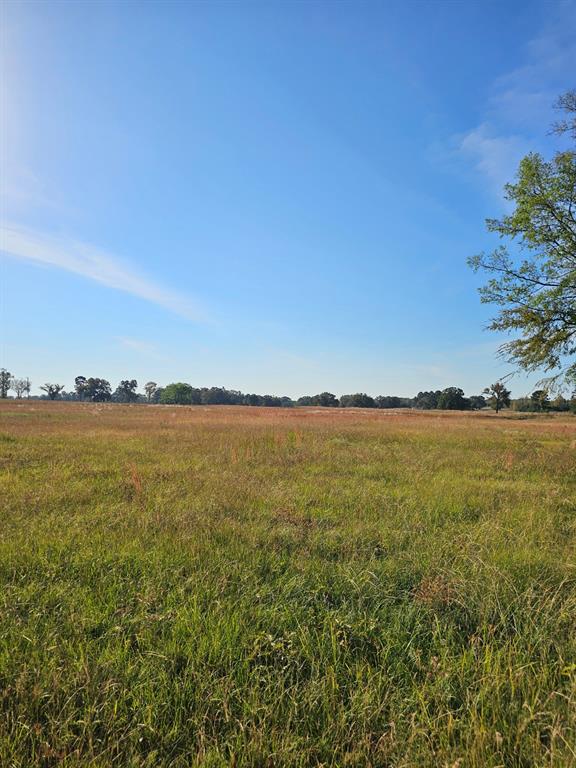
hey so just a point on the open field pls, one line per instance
(256, 587)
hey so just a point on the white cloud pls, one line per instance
(519, 111)
(92, 263)
(496, 157)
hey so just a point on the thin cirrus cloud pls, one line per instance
(94, 264)
(517, 114)
(495, 156)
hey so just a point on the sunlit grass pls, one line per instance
(258, 587)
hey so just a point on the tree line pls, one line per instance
(98, 390)
(497, 396)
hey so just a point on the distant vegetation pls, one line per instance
(97, 390)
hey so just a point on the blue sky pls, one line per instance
(276, 197)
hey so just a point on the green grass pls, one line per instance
(251, 587)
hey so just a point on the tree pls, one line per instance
(427, 400)
(52, 390)
(126, 391)
(358, 400)
(99, 390)
(522, 404)
(150, 388)
(177, 394)
(498, 396)
(5, 379)
(96, 390)
(536, 288)
(327, 400)
(560, 403)
(19, 386)
(391, 401)
(324, 399)
(80, 387)
(305, 400)
(452, 399)
(566, 103)
(540, 400)
(216, 396)
(27, 386)
(477, 402)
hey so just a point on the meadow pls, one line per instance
(223, 586)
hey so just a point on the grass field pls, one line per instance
(256, 587)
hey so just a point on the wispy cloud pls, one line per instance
(94, 264)
(524, 95)
(519, 109)
(495, 156)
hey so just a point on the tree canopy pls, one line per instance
(453, 399)
(535, 287)
(126, 391)
(177, 394)
(498, 396)
(94, 389)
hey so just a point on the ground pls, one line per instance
(191, 586)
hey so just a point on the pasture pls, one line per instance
(193, 586)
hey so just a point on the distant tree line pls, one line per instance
(185, 394)
(451, 399)
(97, 390)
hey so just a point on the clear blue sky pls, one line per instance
(270, 196)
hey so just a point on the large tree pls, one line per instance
(535, 285)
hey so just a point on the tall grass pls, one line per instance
(254, 587)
